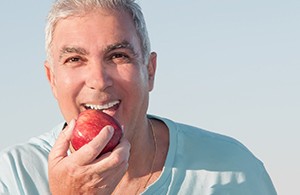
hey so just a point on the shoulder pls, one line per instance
(33, 149)
(27, 160)
(202, 146)
(214, 146)
(214, 140)
(40, 143)
(199, 161)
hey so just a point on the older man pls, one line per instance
(98, 57)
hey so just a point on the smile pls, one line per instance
(111, 105)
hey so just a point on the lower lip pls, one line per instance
(112, 110)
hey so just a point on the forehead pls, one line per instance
(98, 28)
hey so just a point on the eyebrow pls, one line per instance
(120, 45)
(81, 51)
(71, 49)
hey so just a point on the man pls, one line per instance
(98, 57)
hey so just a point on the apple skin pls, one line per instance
(89, 124)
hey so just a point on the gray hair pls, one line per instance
(64, 8)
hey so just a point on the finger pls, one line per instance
(113, 159)
(90, 151)
(113, 178)
(62, 143)
(123, 149)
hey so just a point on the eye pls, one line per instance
(120, 58)
(73, 59)
(119, 55)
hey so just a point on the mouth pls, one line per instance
(108, 108)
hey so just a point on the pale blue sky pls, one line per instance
(230, 67)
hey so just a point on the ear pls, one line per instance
(51, 77)
(151, 70)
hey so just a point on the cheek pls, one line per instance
(137, 85)
(68, 86)
(65, 84)
(69, 80)
(134, 79)
(142, 79)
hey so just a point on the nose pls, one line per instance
(98, 77)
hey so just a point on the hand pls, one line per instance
(82, 172)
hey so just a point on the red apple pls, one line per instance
(89, 124)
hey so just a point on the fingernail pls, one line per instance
(110, 129)
(72, 122)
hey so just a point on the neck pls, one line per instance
(143, 151)
(147, 157)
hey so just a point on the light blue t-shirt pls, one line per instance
(198, 162)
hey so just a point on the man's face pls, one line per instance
(97, 63)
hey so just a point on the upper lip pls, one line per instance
(104, 106)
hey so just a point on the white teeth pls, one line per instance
(102, 107)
